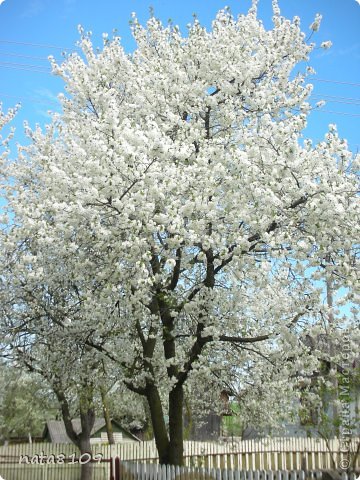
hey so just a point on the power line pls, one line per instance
(336, 81)
(18, 55)
(33, 68)
(337, 113)
(336, 96)
(328, 98)
(54, 103)
(27, 65)
(41, 45)
(25, 69)
(336, 101)
(30, 99)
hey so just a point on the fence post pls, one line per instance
(117, 468)
(111, 468)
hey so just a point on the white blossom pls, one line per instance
(326, 45)
(316, 23)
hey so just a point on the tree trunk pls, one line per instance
(158, 424)
(108, 425)
(87, 420)
(85, 457)
(176, 427)
(170, 447)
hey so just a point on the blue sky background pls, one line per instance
(24, 68)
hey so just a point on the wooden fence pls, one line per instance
(40, 461)
(135, 471)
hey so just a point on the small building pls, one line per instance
(55, 432)
(20, 440)
(207, 427)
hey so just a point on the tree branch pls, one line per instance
(176, 273)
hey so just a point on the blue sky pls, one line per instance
(24, 68)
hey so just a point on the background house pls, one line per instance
(55, 432)
(208, 427)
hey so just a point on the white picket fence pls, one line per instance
(263, 454)
(140, 471)
(147, 450)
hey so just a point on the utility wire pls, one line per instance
(328, 98)
(336, 96)
(337, 101)
(30, 68)
(57, 47)
(337, 113)
(41, 45)
(25, 69)
(27, 65)
(30, 99)
(18, 55)
(335, 81)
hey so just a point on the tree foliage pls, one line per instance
(26, 403)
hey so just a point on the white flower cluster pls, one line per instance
(316, 23)
(326, 45)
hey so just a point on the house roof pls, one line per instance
(57, 432)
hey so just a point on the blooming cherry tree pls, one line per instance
(191, 215)
(5, 119)
(37, 336)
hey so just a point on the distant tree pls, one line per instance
(25, 404)
(37, 335)
(189, 211)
